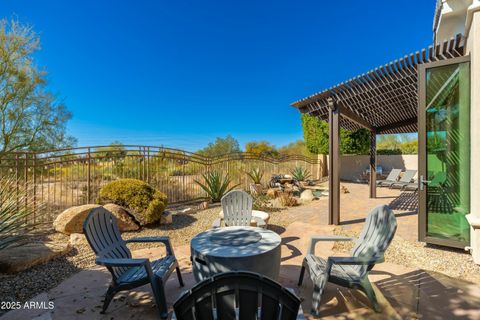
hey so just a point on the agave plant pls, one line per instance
(300, 174)
(215, 185)
(14, 229)
(256, 175)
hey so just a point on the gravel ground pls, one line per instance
(452, 262)
(29, 283)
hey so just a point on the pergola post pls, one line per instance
(373, 164)
(334, 163)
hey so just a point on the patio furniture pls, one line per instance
(237, 208)
(391, 178)
(235, 248)
(405, 179)
(101, 230)
(238, 295)
(412, 186)
(255, 214)
(352, 272)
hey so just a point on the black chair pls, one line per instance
(101, 230)
(238, 295)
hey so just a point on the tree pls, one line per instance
(263, 148)
(115, 149)
(295, 148)
(220, 147)
(31, 118)
(388, 142)
(315, 133)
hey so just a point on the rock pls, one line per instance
(71, 220)
(77, 239)
(307, 195)
(16, 259)
(277, 203)
(288, 185)
(125, 219)
(166, 218)
(203, 205)
(272, 193)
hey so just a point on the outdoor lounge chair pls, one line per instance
(237, 210)
(238, 295)
(391, 178)
(103, 235)
(352, 272)
(412, 186)
(404, 180)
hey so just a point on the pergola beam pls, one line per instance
(396, 125)
(334, 163)
(373, 164)
(346, 113)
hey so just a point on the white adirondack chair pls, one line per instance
(237, 210)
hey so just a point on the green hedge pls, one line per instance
(145, 202)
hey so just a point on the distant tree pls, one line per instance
(294, 148)
(220, 147)
(263, 148)
(388, 142)
(397, 144)
(31, 118)
(115, 149)
(315, 133)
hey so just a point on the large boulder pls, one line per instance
(16, 259)
(125, 219)
(307, 195)
(71, 220)
(166, 218)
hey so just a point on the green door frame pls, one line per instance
(422, 154)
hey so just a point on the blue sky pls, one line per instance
(180, 73)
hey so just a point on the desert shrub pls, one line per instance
(16, 225)
(287, 200)
(300, 174)
(145, 202)
(215, 185)
(262, 202)
(256, 175)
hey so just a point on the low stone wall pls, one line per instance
(353, 167)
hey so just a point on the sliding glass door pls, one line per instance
(444, 152)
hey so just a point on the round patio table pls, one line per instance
(235, 248)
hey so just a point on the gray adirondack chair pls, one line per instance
(352, 272)
(392, 177)
(101, 230)
(238, 295)
(404, 180)
(237, 210)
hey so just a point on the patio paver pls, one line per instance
(403, 292)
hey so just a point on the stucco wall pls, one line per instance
(353, 167)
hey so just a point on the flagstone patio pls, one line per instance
(403, 292)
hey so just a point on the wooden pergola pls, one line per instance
(383, 100)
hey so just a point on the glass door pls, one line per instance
(444, 152)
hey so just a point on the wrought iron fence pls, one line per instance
(59, 179)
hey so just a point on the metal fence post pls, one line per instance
(34, 188)
(89, 175)
(148, 164)
(17, 187)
